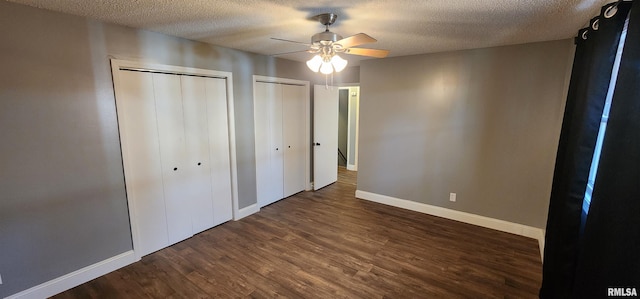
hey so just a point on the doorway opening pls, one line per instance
(348, 113)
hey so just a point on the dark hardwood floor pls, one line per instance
(328, 244)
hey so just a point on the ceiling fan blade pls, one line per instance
(368, 52)
(355, 40)
(292, 52)
(290, 41)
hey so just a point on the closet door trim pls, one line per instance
(117, 66)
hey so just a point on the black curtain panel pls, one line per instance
(596, 49)
(610, 254)
(564, 215)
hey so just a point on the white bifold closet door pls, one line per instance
(269, 154)
(177, 166)
(207, 142)
(175, 170)
(143, 172)
(218, 143)
(279, 119)
(293, 118)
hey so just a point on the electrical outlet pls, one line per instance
(452, 197)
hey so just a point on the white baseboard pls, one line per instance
(244, 212)
(76, 278)
(352, 167)
(492, 223)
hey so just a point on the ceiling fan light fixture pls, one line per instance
(326, 68)
(315, 63)
(338, 63)
(327, 64)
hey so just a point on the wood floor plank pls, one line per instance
(328, 244)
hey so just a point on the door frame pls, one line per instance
(118, 65)
(307, 121)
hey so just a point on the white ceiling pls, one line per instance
(405, 27)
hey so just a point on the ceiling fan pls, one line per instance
(326, 45)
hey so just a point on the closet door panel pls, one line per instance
(293, 99)
(218, 128)
(141, 156)
(262, 142)
(171, 134)
(197, 168)
(268, 136)
(277, 153)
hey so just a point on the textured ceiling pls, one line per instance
(405, 27)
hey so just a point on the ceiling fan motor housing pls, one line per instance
(325, 37)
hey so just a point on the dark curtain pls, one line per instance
(596, 49)
(610, 254)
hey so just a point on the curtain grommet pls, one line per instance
(596, 24)
(610, 11)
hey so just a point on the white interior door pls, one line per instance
(268, 138)
(141, 158)
(197, 191)
(325, 136)
(277, 150)
(168, 95)
(218, 122)
(294, 145)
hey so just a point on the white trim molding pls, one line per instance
(247, 211)
(492, 223)
(76, 278)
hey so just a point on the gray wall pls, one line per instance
(481, 123)
(62, 196)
